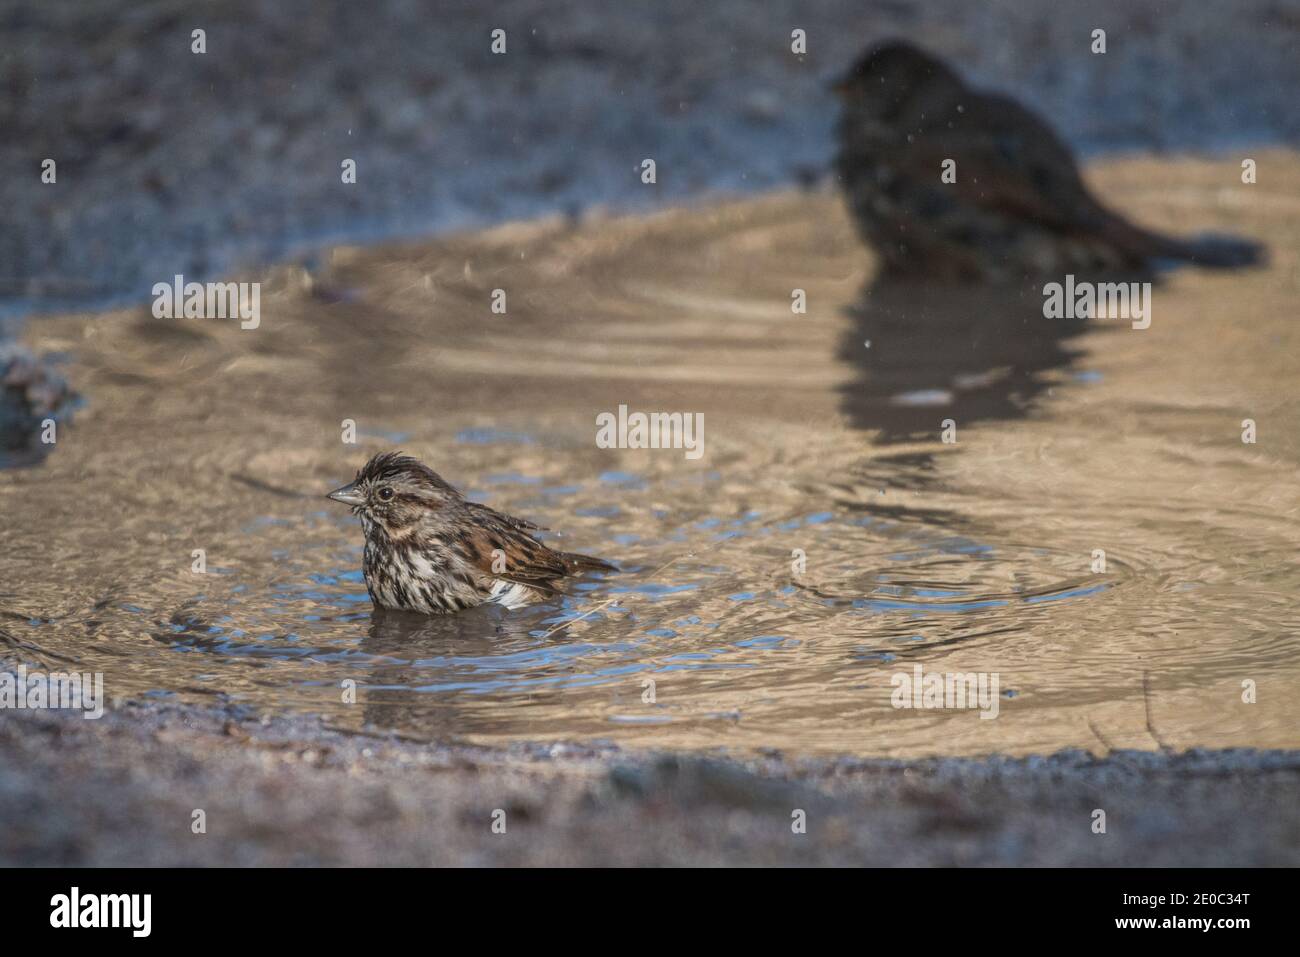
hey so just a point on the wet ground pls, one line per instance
(125, 790)
(823, 438)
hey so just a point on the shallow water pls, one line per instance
(822, 438)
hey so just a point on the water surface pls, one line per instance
(828, 539)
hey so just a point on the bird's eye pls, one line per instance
(385, 494)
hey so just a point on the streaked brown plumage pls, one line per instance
(430, 550)
(1018, 206)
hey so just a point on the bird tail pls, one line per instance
(1209, 250)
(574, 563)
(1217, 251)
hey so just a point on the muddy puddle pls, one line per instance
(827, 539)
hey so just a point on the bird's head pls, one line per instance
(395, 491)
(892, 75)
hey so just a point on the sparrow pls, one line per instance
(430, 550)
(1017, 206)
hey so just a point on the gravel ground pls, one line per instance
(170, 161)
(123, 790)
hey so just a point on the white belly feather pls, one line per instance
(511, 594)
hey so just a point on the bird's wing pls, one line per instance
(477, 509)
(498, 547)
(1008, 160)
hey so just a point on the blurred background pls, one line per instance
(171, 161)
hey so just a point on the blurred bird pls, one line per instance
(31, 392)
(429, 550)
(1017, 207)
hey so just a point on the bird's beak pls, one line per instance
(348, 495)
